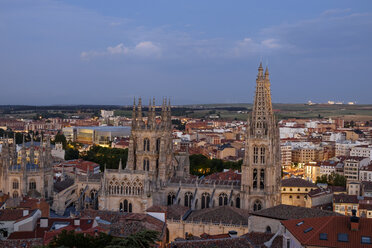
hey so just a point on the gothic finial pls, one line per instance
(260, 71)
(120, 165)
(267, 72)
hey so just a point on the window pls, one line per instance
(283, 189)
(255, 179)
(205, 200)
(257, 205)
(130, 207)
(366, 240)
(255, 155)
(342, 237)
(308, 230)
(237, 202)
(15, 184)
(262, 179)
(299, 223)
(125, 205)
(222, 199)
(288, 243)
(188, 199)
(323, 236)
(32, 185)
(158, 145)
(171, 198)
(298, 197)
(263, 151)
(290, 197)
(268, 229)
(146, 164)
(146, 144)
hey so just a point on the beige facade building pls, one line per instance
(295, 190)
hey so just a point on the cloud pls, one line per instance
(248, 47)
(142, 49)
(335, 12)
(146, 48)
(119, 49)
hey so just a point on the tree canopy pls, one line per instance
(201, 165)
(106, 156)
(333, 179)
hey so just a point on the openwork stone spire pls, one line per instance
(262, 112)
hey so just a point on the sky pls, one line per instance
(107, 52)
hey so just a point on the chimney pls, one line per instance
(25, 212)
(43, 222)
(76, 222)
(233, 234)
(354, 221)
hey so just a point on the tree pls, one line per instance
(144, 239)
(60, 138)
(333, 179)
(80, 240)
(201, 165)
(71, 153)
(106, 156)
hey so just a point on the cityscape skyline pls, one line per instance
(63, 52)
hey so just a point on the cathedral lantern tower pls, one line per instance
(261, 171)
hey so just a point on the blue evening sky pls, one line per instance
(107, 52)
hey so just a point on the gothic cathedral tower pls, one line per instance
(261, 171)
(150, 145)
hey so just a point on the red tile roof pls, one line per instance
(332, 226)
(11, 214)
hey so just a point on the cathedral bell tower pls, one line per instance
(150, 145)
(261, 171)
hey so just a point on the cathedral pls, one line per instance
(155, 175)
(23, 174)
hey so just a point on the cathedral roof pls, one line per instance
(172, 211)
(221, 214)
(62, 185)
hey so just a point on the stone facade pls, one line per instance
(32, 176)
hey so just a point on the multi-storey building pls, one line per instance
(361, 151)
(352, 166)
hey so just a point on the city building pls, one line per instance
(328, 231)
(294, 191)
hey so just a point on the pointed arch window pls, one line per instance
(146, 144)
(146, 164)
(130, 207)
(205, 200)
(257, 205)
(255, 179)
(188, 199)
(171, 198)
(125, 205)
(222, 199)
(262, 179)
(255, 155)
(158, 145)
(237, 202)
(262, 155)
